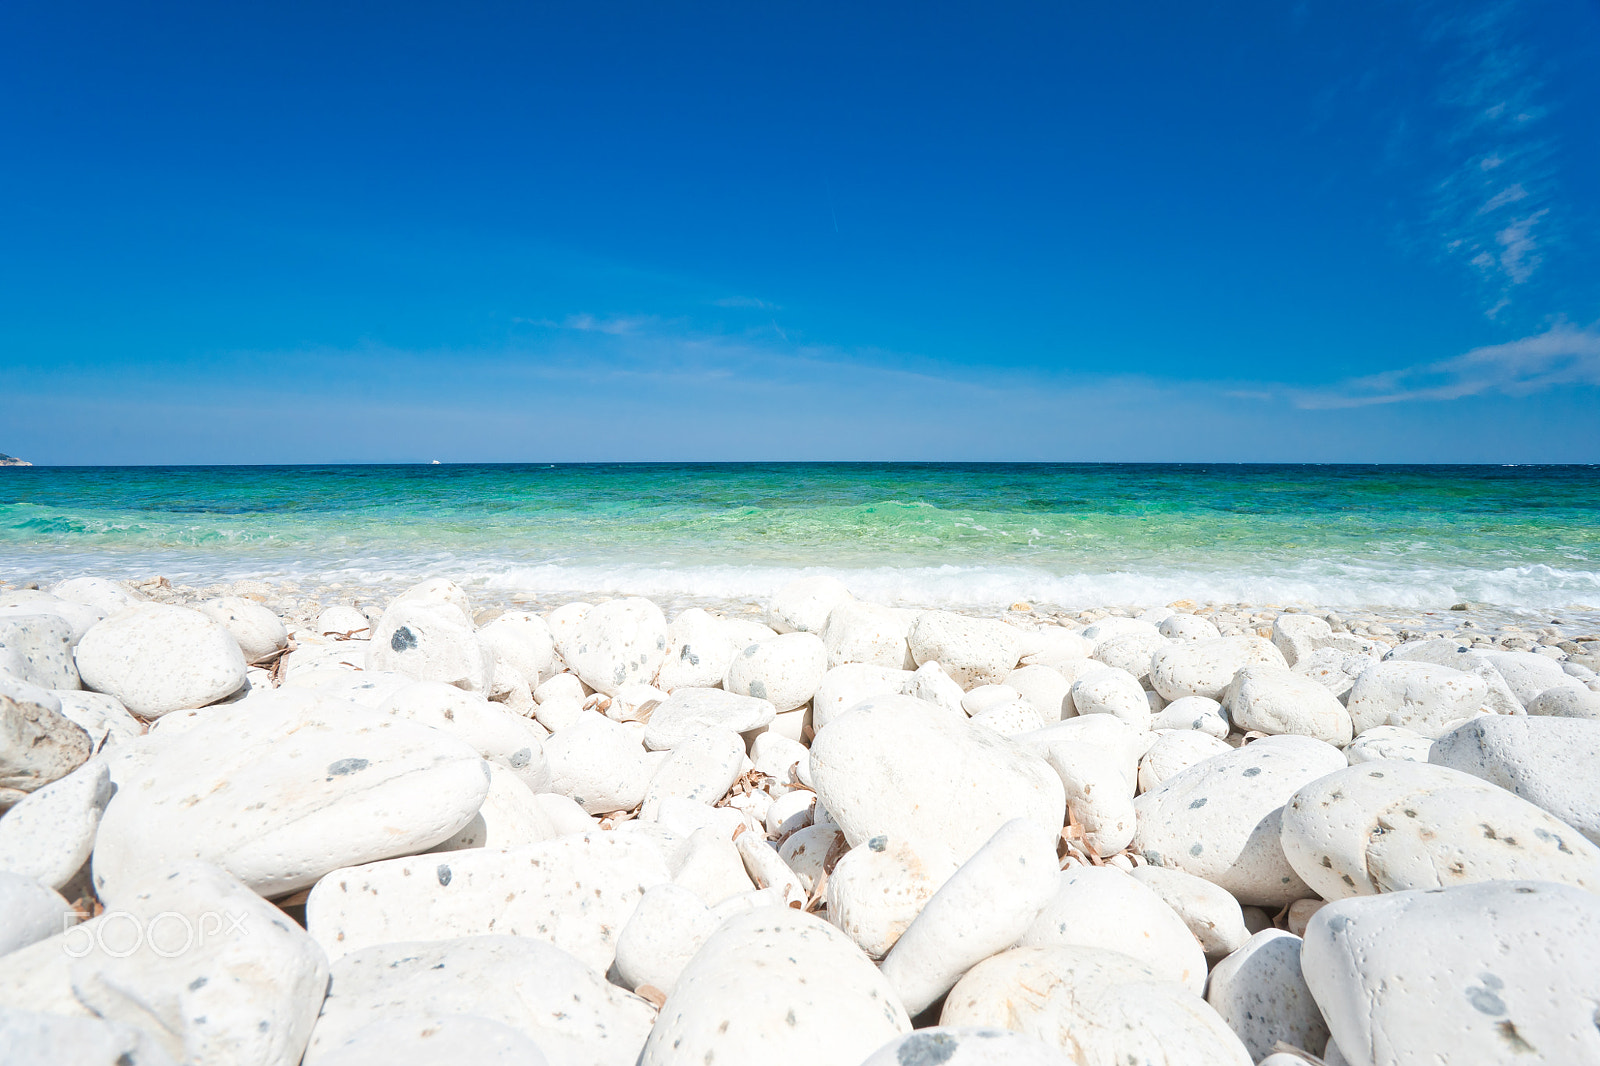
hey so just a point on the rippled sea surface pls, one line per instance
(1069, 535)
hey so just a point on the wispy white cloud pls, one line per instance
(1561, 355)
(746, 301)
(1496, 207)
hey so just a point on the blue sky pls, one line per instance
(328, 232)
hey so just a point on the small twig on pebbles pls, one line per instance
(657, 998)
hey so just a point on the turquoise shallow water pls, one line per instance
(979, 534)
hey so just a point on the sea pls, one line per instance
(1522, 540)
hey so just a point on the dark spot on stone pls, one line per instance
(1197, 804)
(758, 689)
(751, 651)
(444, 875)
(927, 1049)
(197, 984)
(1327, 863)
(1338, 923)
(125, 1059)
(1253, 771)
(1508, 1033)
(345, 767)
(1346, 879)
(403, 639)
(1196, 849)
(1374, 773)
(790, 1017)
(878, 843)
(694, 660)
(520, 758)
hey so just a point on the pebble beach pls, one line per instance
(392, 819)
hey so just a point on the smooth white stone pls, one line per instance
(1108, 1008)
(701, 768)
(778, 756)
(992, 899)
(522, 640)
(1388, 742)
(710, 866)
(258, 631)
(1045, 687)
(212, 971)
(931, 684)
(495, 733)
(847, 685)
(1114, 692)
(786, 671)
(699, 648)
(156, 659)
(1010, 719)
(890, 767)
(30, 1038)
(1111, 627)
(966, 1046)
(1296, 635)
(972, 651)
(1219, 818)
(103, 717)
(1200, 713)
(617, 642)
(427, 1039)
(690, 711)
(566, 1009)
(1566, 702)
(980, 699)
(806, 852)
(1131, 652)
(1420, 696)
(1052, 645)
(49, 835)
(1260, 993)
(1175, 751)
(803, 605)
(866, 633)
(511, 815)
(1096, 757)
(37, 648)
(30, 912)
(342, 620)
(574, 892)
(431, 641)
(1213, 917)
(1399, 981)
(1389, 826)
(437, 591)
(600, 764)
(775, 985)
(1189, 627)
(1102, 907)
(563, 623)
(17, 603)
(38, 744)
(877, 890)
(1550, 762)
(1206, 667)
(1528, 675)
(767, 868)
(790, 812)
(282, 791)
(1271, 700)
(109, 596)
(662, 935)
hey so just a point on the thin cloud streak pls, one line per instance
(1562, 355)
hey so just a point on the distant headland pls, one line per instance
(12, 460)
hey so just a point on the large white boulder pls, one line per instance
(1107, 1008)
(565, 1008)
(701, 768)
(1271, 700)
(1102, 907)
(1212, 915)
(618, 642)
(1206, 667)
(1045, 687)
(785, 670)
(157, 659)
(1400, 982)
(847, 685)
(699, 648)
(49, 835)
(1115, 692)
(1219, 819)
(522, 640)
(1389, 826)
(776, 985)
(866, 633)
(1298, 635)
(803, 605)
(575, 892)
(279, 791)
(500, 736)
(1096, 756)
(973, 651)
(985, 905)
(1420, 696)
(109, 596)
(431, 640)
(1549, 762)
(258, 631)
(890, 767)
(600, 764)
